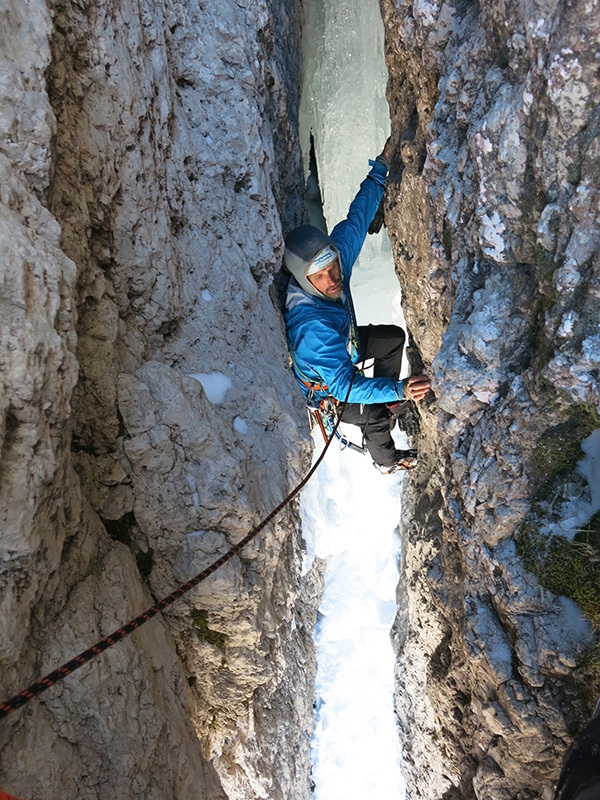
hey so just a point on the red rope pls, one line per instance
(23, 697)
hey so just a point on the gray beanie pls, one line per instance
(302, 246)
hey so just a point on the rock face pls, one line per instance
(148, 419)
(141, 204)
(493, 211)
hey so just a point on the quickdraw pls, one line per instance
(325, 416)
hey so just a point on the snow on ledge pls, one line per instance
(215, 384)
(577, 513)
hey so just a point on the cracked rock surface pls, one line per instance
(493, 211)
(148, 163)
(148, 157)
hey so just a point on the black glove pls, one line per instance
(378, 220)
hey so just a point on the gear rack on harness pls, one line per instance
(326, 417)
(324, 413)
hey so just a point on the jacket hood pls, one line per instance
(302, 245)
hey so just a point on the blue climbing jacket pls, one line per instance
(322, 335)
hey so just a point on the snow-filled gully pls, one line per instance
(350, 511)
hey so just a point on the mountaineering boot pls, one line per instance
(403, 459)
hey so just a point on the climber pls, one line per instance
(324, 340)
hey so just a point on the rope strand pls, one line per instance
(23, 697)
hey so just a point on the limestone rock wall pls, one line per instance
(147, 155)
(493, 210)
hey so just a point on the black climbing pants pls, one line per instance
(385, 344)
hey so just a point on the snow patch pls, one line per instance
(578, 512)
(483, 143)
(527, 101)
(350, 518)
(491, 231)
(567, 323)
(240, 425)
(215, 384)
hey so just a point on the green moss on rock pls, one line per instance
(565, 567)
(203, 632)
(559, 448)
(587, 675)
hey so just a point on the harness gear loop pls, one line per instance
(326, 416)
(312, 385)
(325, 412)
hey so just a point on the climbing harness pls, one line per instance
(23, 697)
(323, 411)
(308, 382)
(324, 415)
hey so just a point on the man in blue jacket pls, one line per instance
(324, 339)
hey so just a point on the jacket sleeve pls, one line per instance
(349, 234)
(324, 349)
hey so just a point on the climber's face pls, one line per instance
(328, 281)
